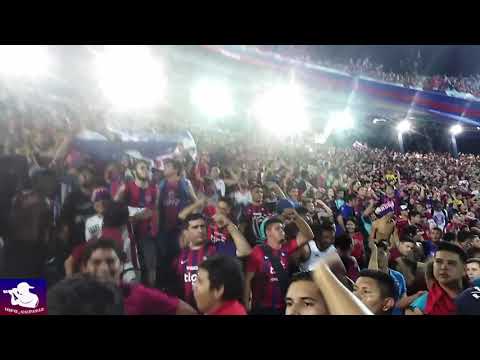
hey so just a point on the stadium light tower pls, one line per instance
(130, 77)
(403, 127)
(454, 131)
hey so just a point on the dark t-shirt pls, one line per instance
(76, 210)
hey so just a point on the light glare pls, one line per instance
(130, 77)
(404, 126)
(24, 60)
(282, 110)
(456, 129)
(212, 98)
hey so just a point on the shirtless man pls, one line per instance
(384, 226)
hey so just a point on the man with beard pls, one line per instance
(266, 279)
(141, 194)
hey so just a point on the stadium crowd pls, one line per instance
(467, 87)
(245, 227)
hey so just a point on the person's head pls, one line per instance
(103, 259)
(415, 218)
(85, 177)
(142, 170)
(344, 245)
(472, 269)
(449, 264)
(215, 173)
(362, 191)
(274, 230)
(406, 245)
(476, 242)
(351, 225)
(404, 211)
(224, 206)
(100, 197)
(376, 290)
(195, 230)
(390, 192)
(351, 200)
(257, 193)
(464, 239)
(331, 193)
(324, 235)
(83, 294)
(220, 279)
(304, 297)
(436, 235)
(172, 167)
(112, 172)
(340, 194)
(115, 215)
(293, 193)
(450, 237)
(308, 204)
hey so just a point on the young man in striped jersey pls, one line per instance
(199, 248)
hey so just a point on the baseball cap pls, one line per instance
(284, 204)
(100, 194)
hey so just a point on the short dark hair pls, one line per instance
(325, 226)
(225, 271)
(437, 229)
(177, 165)
(301, 276)
(343, 242)
(406, 238)
(271, 221)
(384, 281)
(115, 214)
(192, 217)
(413, 213)
(411, 230)
(350, 197)
(352, 219)
(383, 244)
(102, 243)
(226, 200)
(449, 237)
(463, 236)
(255, 186)
(454, 248)
(82, 294)
(473, 260)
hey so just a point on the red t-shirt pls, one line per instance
(439, 302)
(232, 307)
(266, 292)
(140, 300)
(358, 247)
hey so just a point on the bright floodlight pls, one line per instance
(130, 77)
(341, 120)
(404, 126)
(213, 98)
(282, 110)
(456, 129)
(24, 60)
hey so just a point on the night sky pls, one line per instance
(437, 59)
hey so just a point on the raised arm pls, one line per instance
(242, 245)
(305, 233)
(197, 205)
(373, 262)
(339, 300)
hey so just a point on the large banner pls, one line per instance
(119, 144)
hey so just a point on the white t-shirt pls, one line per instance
(315, 256)
(242, 199)
(220, 185)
